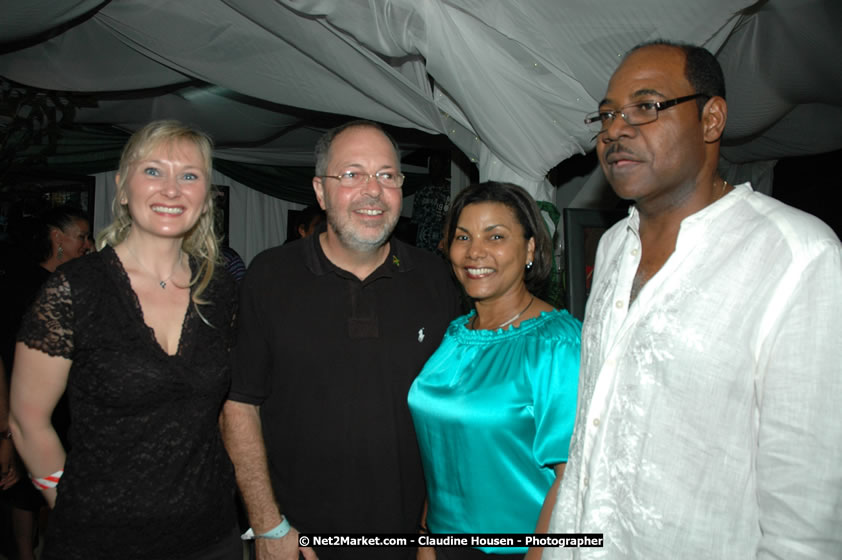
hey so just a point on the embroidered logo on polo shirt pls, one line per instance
(396, 261)
(421, 334)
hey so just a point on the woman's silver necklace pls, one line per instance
(510, 321)
(162, 283)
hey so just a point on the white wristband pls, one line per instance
(278, 532)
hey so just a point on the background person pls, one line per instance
(138, 335)
(233, 262)
(308, 222)
(430, 204)
(9, 475)
(43, 242)
(8, 471)
(55, 236)
(66, 235)
(494, 406)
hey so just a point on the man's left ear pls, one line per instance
(714, 116)
(319, 189)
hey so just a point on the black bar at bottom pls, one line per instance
(495, 540)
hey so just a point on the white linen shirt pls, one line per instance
(709, 422)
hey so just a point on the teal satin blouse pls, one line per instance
(494, 412)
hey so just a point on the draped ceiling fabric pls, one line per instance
(508, 82)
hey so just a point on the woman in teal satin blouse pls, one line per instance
(494, 406)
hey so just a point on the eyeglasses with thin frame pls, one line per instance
(355, 179)
(635, 114)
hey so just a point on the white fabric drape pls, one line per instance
(256, 221)
(508, 82)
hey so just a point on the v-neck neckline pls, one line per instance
(127, 286)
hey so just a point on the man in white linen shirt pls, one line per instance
(709, 422)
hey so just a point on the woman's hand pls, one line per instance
(426, 553)
(546, 512)
(8, 466)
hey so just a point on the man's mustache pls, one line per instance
(615, 150)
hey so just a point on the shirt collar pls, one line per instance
(399, 260)
(703, 216)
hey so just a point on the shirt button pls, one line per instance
(618, 304)
(634, 252)
(596, 422)
(585, 482)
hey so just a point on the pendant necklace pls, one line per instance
(162, 283)
(510, 321)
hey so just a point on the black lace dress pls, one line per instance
(147, 477)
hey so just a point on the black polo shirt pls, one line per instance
(330, 358)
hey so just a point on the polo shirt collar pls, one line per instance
(398, 260)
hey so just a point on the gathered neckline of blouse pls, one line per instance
(484, 335)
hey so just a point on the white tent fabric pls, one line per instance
(508, 82)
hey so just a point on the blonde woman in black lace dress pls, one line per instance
(137, 334)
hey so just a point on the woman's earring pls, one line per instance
(60, 253)
(529, 265)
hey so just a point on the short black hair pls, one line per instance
(528, 215)
(701, 69)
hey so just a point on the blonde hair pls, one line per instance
(201, 241)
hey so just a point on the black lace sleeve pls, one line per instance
(48, 325)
